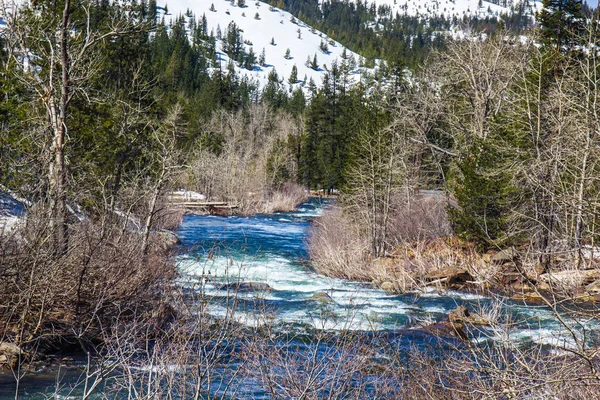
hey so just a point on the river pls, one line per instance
(272, 250)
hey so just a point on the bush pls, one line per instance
(49, 299)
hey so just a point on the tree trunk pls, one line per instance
(57, 169)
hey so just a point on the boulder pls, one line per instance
(246, 287)
(505, 255)
(462, 315)
(583, 277)
(322, 297)
(458, 315)
(10, 355)
(446, 328)
(166, 239)
(530, 297)
(593, 288)
(450, 276)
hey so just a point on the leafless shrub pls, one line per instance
(423, 218)
(337, 248)
(284, 199)
(50, 300)
(255, 165)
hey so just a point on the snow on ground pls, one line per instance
(273, 24)
(11, 210)
(456, 8)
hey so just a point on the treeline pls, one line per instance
(506, 131)
(376, 32)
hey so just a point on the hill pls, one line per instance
(283, 39)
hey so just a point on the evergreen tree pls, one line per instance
(314, 64)
(250, 60)
(262, 59)
(287, 55)
(293, 75)
(562, 22)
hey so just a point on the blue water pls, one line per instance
(272, 249)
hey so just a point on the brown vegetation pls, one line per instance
(257, 164)
(52, 302)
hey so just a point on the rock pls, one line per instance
(450, 276)
(167, 239)
(458, 315)
(445, 328)
(505, 255)
(522, 287)
(462, 315)
(577, 277)
(322, 297)
(530, 297)
(246, 287)
(593, 288)
(387, 286)
(10, 355)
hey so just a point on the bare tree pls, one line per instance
(55, 54)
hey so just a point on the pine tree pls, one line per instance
(314, 64)
(212, 7)
(562, 23)
(241, 3)
(293, 75)
(262, 59)
(324, 47)
(272, 41)
(250, 60)
(287, 55)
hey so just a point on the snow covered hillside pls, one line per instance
(274, 30)
(458, 8)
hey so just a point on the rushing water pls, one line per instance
(272, 249)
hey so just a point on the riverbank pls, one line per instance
(250, 314)
(427, 256)
(285, 199)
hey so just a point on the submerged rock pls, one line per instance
(246, 287)
(322, 297)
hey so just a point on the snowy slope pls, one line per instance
(276, 24)
(457, 8)
(12, 209)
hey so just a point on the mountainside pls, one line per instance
(283, 39)
(456, 8)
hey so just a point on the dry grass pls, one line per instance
(418, 234)
(286, 199)
(337, 248)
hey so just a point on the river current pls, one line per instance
(272, 249)
(218, 251)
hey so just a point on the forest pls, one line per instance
(469, 165)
